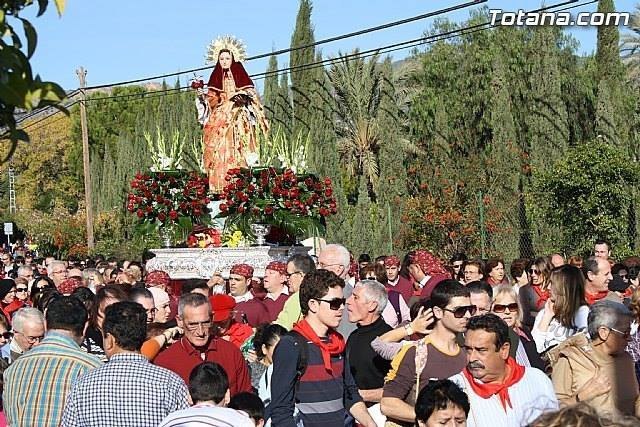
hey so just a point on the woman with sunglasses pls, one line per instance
(506, 306)
(565, 312)
(534, 295)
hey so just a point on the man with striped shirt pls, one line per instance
(36, 385)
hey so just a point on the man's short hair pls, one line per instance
(24, 315)
(445, 291)
(67, 313)
(126, 321)
(136, 293)
(480, 287)
(374, 291)
(364, 258)
(518, 266)
(490, 323)
(590, 265)
(208, 382)
(303, 263)
(192, 284)
(437, 395)
(24, 269)
(249, 403)
(602, 242)
(608, 314)
(315, 285)
(342, 254)
(53, 263)
(191, 300)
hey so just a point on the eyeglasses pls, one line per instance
(470, 272)
(459, 312)
(21, 289)
(501, 308)
(625, 335)
(323, 265)
(194, 326)
(6, 259)
(7, 335)
(30, 339)
(59, 272)
(534, 271)
(336, 303)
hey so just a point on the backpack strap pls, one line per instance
(303, 355)
(394, 299)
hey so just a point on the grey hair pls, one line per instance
(590, 265)
(608, 314)
(192, 300)
(24, 269)
(341, 252)
(24, 315)
(375, 291)
(54, 263)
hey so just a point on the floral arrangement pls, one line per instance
(297, 204)
(204, 237)
(175, 198)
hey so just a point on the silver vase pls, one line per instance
(165, 232)
(260, 231)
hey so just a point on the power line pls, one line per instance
(319, 42)
(359, 55)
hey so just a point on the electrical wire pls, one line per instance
(318, 43)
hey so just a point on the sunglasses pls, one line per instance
(21, 289)
(7, 335)
(533, 271)
(336, 303)
(459, 312)
(500, 308)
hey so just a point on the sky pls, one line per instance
(121, 40)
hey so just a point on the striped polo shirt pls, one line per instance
(321, 397)
(36, 385)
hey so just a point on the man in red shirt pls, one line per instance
(248, 308)
(395, 281)
(199, 345)
(275, 279)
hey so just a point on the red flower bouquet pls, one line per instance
(296, 203)
(169, 198)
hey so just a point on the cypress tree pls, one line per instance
(301, 78)
(271, 90)
(607, 53)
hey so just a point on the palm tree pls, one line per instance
(630, 47)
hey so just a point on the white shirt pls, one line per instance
(207, 415)
(243, 298)
(391, 318)
(530, 397)
(285, 291)
(556, 333)
(424, 281)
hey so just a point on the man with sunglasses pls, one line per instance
(310, 372)
(36, 385)
(597, 370)
(452, 309)
(298, 266)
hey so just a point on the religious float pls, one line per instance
(253, 202)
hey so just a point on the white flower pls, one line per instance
(252, 159)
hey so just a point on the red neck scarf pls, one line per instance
(334, 347)
(485, 391)
(543, 296)
(594, 298)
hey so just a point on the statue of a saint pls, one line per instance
(230, 111)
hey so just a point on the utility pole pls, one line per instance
(82, 74)
(12, 190)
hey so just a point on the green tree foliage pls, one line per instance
(607, 51)
(302, 79)
(271, 90)
(19, 88)
(588, 195)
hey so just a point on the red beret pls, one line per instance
(69, 285)
(222, 305)
(244, 270)
(392, 261)
(278, 266)
(156, 278)
(428, 263)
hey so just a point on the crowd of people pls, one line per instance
(324, 339)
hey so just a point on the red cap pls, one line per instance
(244, 270)
(428, 263)
(278, 266)
(392, 261)
(156, 278)
(222, 306)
